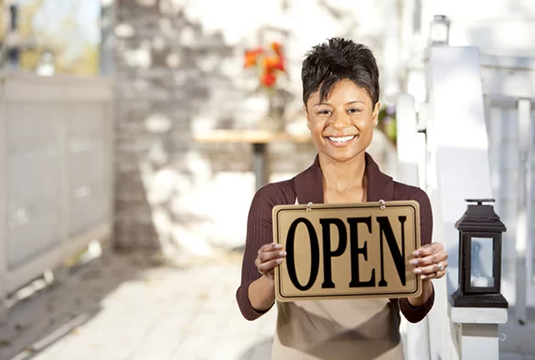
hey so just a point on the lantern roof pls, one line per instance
(480, 217)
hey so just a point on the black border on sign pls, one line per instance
(353, 295)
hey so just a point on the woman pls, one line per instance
(341, 102)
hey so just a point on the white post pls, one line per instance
(459, 166)
(409, 154)
(407, 142)
(391, 53)
(477, 331)
(530, 209)
(522, 244)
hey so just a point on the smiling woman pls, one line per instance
(341, 103)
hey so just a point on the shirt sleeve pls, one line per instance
(415, 314)
(259, 232)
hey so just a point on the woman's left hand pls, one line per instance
(430, 261)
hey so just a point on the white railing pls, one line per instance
(511, 124)
(55, 172)
(456, 166)
(464, 89)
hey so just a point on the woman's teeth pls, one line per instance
(341, 138)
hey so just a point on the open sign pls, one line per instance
(347, 250)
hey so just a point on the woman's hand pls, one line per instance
(269, 257)
(430, 261)
(261, 291)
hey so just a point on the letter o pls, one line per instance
(314, 250)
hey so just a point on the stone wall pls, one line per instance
(178, 70)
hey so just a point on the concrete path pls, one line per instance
(124, 307)
(131, 307)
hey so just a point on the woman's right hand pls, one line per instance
(269, 257)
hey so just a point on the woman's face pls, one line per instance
(342, 125)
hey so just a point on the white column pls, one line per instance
(391, 53)
(459, 165)
(523, 246)
(477, 331)
(409, 153)
(407, 142)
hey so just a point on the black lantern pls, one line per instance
(480, 257)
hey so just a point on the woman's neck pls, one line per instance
(343, 176)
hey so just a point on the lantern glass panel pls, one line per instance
(439, 33)
(482, 260)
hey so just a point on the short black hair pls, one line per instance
(335, 60)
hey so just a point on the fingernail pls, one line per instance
(417, 271)
(423, 277)
(416, 253)
(278, 246)
(414, 262)
(279, 260)
(282, 253)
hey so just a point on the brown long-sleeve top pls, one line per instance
(308, 187)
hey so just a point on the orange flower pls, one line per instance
(277, 47)
(268, 79)
(251, 56)
(280, 65)
(268, 62)
(273, 63)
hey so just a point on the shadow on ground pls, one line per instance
(33, 324)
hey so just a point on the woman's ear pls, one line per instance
(375, 114)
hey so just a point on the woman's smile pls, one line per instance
(341, 141)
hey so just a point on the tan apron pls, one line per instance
(361, 329)
(337, 330)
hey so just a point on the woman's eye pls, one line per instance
(324, 112)
(353, 111)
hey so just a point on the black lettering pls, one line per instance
(327, 252)
(397, 255)
(356, 251)
(314, 249)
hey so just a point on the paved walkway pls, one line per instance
(129, 307)
(124, 307)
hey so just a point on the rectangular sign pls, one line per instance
(347, 250)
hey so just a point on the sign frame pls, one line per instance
(389, 208)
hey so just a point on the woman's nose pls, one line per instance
(340, 120)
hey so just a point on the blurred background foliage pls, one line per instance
(387, 122)
(61, 34)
